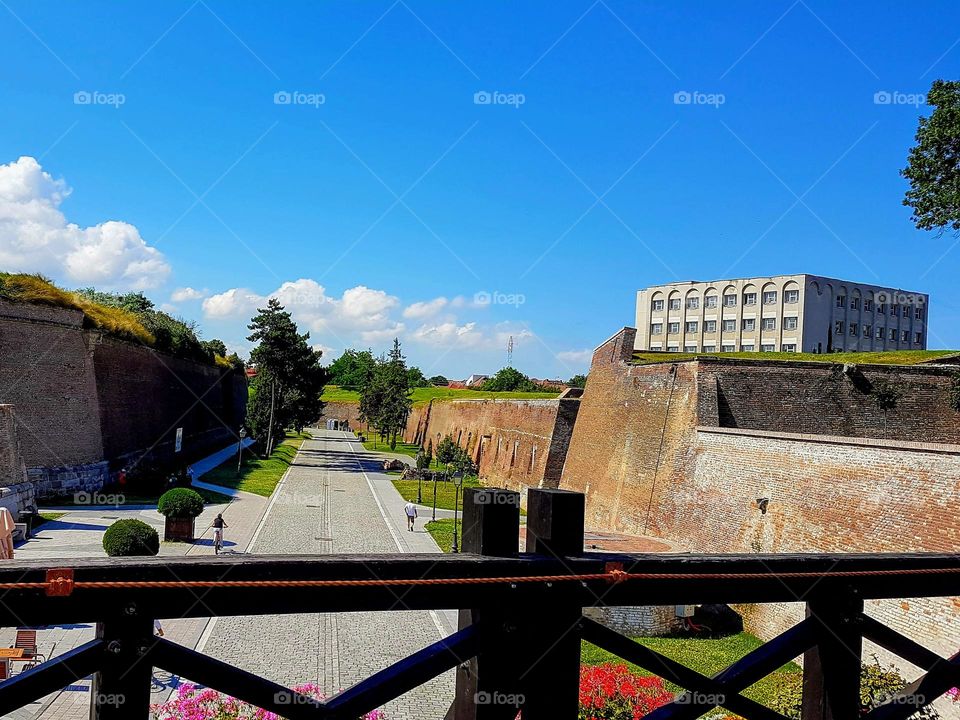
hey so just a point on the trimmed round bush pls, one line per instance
(180, 503)
(130, 538)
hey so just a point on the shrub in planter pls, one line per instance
(130, 538)
(180, 506)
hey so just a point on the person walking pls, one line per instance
(410, 510)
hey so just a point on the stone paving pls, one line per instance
(335, 500)
(79, 534)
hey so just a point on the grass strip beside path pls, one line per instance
(258, 475)
(707, 656)
(332, 393)
(442, 532)
(445, 491)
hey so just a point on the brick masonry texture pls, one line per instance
(684, 450)
(517, 444)
(85, 402)
(16, 492)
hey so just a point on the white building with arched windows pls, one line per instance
(783, 313)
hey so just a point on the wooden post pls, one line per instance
(487, 684)
(121, 690)
(831, 669)
(551, 682)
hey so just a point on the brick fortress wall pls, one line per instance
(684, 450)
(84, 402)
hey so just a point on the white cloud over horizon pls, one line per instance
(187, 294)
(575, 357)
(35, 236)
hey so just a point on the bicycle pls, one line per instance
(217, 541)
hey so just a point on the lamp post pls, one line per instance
(242, 434)
(457, 482)
(434, 473)
(419, 462)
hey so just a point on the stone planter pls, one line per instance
(178, 529)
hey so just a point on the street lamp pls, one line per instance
(242, 434)
(434, 474)
(457, 482)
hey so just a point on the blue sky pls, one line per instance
(387, 197)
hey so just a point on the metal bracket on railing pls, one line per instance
(615, 571)
(59, 582)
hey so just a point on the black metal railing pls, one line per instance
(521, 621)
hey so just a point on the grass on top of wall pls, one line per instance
(37, 290)
(891, 357)
(333, 393)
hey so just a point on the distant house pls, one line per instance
(557, 385)
(251, 373)
(475, 380)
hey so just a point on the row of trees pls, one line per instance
(510, 379)
(385, 395)
(354, 368)
(290, 379)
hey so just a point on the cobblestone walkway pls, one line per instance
(335, 501)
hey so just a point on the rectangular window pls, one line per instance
(709, 326)
(854, 303)
(692, 327)
(728, 348)
(768, 348)
(768, 324)
(693, 303)
(918, 313)
(657, 305)
(867, 330)
(893, 334)
(879, 333)
(747, 347)
(838, 327)
(689, 348)
(791, 296)
(868, 304)
(729, 300)
(711, 301)
(656, 329)
(749, 298)
(729, 326)
(789, 323)
(841, 300)
(905, 336)
(673, 348)
(854, 330)
(918, 338)
(906, 311)
(709, 348)
(673, 328)
(882, 308)
(674, 303)
(749, 324)
(789, 347)
(770, 297)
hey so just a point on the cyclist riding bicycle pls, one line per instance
(218, 526)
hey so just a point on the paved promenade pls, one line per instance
(335, 500)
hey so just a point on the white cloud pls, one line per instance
(383, 336)
(186, 294)
(421, 310)
(36, 237)
(576, 357)
(237, 302)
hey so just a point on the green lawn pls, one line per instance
(403, 448)
(332, 393)
(258, 475)
(892, 357)
(442, 531)
(705, 656)
(132, 498)
(45, 517)
(445, 491)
